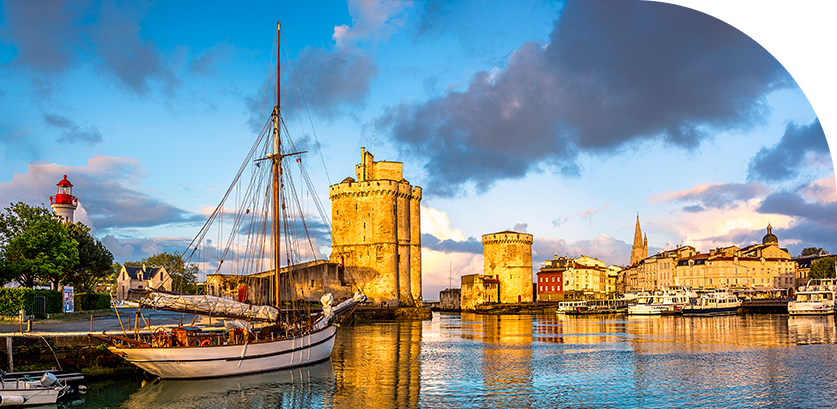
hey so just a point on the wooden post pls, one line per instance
(9, 351)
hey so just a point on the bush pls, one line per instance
(13, 299)
(92, 301)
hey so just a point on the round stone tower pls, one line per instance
(63, 203)
(508, 257)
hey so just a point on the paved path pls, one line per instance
(102, 322)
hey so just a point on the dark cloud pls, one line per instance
(694, 209)
(472, 245)
(518, 227)
(43, 33)
(74, 134)
(613, 73)
(783, 160)
(713, 196)
(333, 82)
(204, 64)
(791, 204)
(50, 36)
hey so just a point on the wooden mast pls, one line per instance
(276, 158)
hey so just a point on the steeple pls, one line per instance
(639, 251)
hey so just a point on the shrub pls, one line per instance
(92, 301)
(13, 299)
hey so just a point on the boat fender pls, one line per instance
(13, 400)
(206, 342)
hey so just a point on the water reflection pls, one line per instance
(805, 330)
(303, 387)
(478, 361)
(377, 365)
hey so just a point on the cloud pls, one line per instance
(436, 223)
(440, 270)
(106, 187)
(73, 134)
(372, 22)
(560, 221)
(792, 204)
(50, 37)
(333, 82)
(603, 247)
(520, 227)
(470, 246)
(613, 74)
(783, 160)
(821, 190)
(712, 195)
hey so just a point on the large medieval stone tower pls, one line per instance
(507, 255)
(376, 233)
(639, 251)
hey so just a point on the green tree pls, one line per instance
(810, 251)
(822, 268)
(43, 252)
(183, 275)
(94, 260)
(18, 218)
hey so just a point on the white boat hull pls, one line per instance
(645, 310)
(28, 396)
(231, 360)
(810, 308)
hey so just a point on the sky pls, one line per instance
(564, 119)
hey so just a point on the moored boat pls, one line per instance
(255, 338)
(713, 303)
(20, 389)
(815, 298)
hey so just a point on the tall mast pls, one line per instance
(277, 157)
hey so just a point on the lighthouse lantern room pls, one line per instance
(64, 203)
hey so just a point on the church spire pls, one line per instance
(639, 251)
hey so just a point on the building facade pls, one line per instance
(450, 299)
(550, 285)
(478, 289)
(133, 282)
(376, 232)
(507, 256)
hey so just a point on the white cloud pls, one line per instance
(436, 223)
(372, 21)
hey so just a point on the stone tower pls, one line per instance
(639, 251)
(508, 256)
(376, 232)
(64, 204)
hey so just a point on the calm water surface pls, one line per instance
(476, 361)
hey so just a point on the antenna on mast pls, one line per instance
(373, 138)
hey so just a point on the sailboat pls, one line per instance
(256, 338)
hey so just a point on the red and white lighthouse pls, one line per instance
(64, 203)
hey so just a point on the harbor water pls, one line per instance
(517, 361)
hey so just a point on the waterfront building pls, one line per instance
(133, 282)
(550, 282)
(507, 256)
(760, 266)
(582, 278)
(63, 203)
(376, 232)
(478, 289)
(450, 299)
(804, 264)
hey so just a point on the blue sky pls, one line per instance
(570, 119)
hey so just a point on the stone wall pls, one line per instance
(508, 257)
(450, 299)
(477, 290)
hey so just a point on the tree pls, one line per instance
(822, 268)
(183, 276)
(43, 252)
(811, 251)
(18, 218)
(94, 260)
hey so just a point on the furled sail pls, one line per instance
(210, 305)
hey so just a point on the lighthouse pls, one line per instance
(64, 203)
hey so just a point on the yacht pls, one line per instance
(815, 298)
(713, 303)
(670, 300)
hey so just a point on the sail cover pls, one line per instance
(210, 305)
